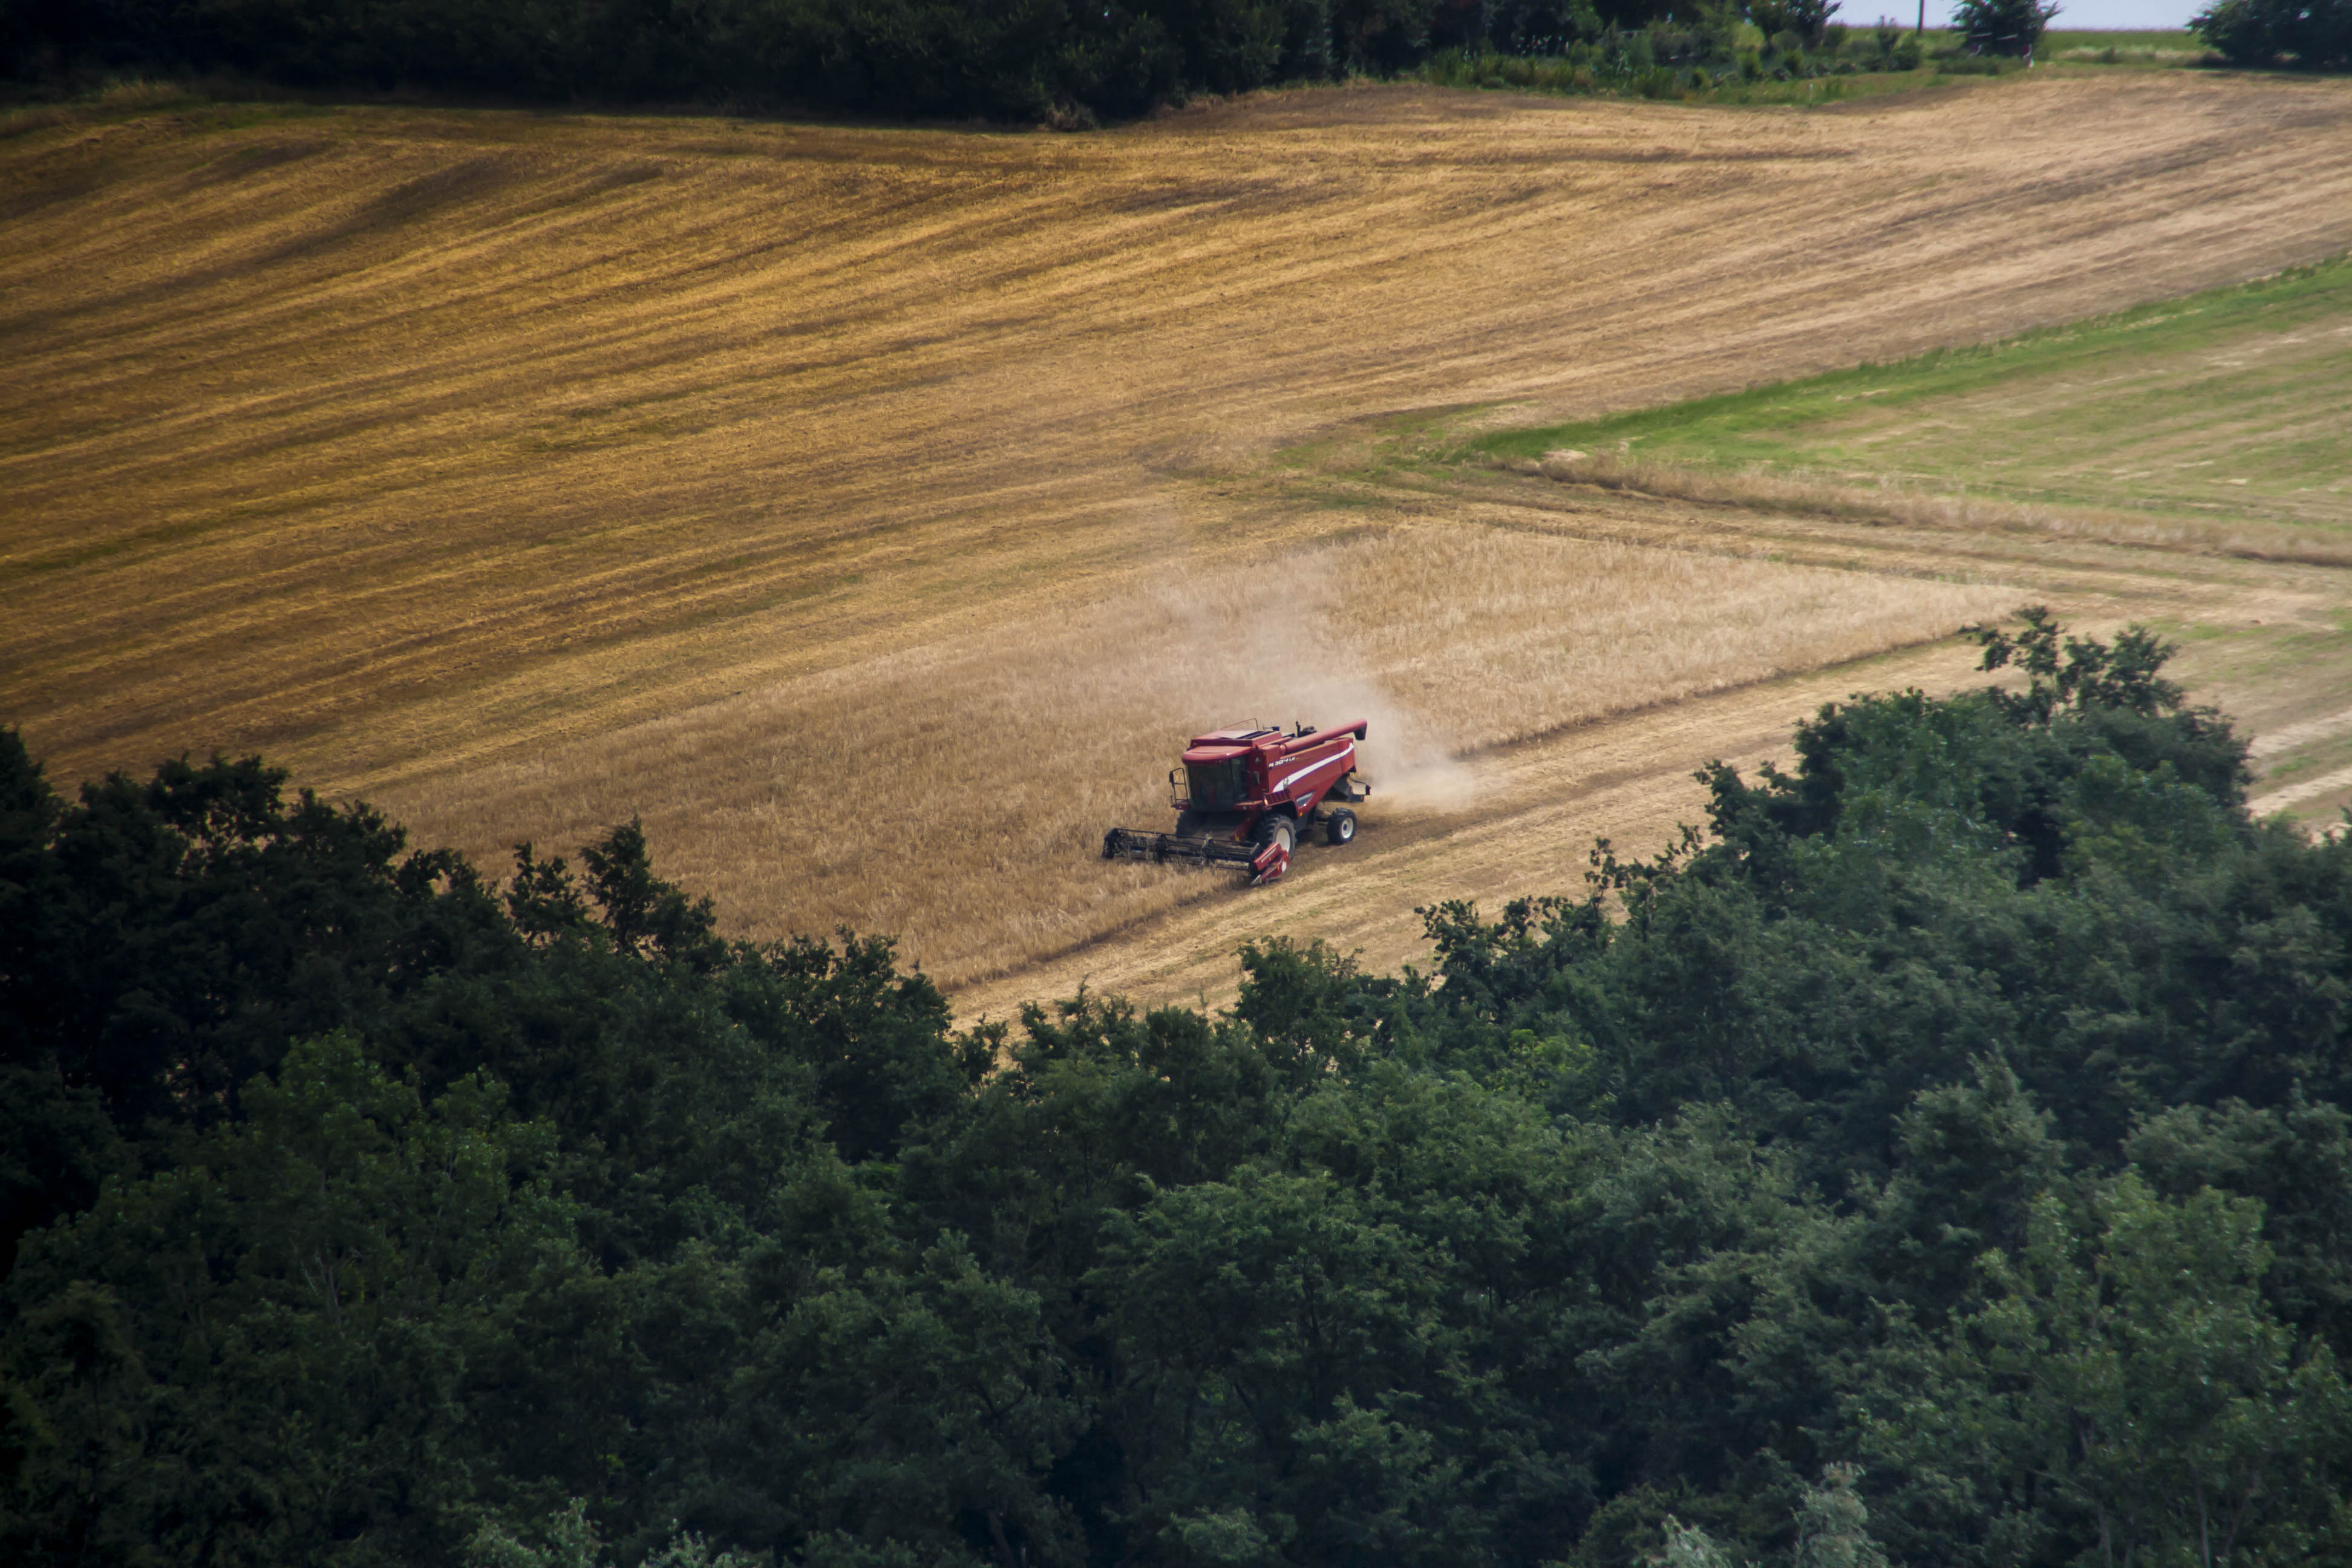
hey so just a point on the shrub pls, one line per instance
(2317, 36)
(1892, 48)
(1808, 19)
(2009, 27)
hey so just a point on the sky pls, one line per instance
(2070, 12)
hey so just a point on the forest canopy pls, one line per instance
(1940, 1158)
(1061, 61)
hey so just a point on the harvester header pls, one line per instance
(1245, 797)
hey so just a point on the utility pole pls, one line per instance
(1922, 33)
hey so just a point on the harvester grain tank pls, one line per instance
(1246, 797)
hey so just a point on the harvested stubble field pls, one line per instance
(871, 510)
(954, 792)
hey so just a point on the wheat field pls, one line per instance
(873, 510)
(956, 793)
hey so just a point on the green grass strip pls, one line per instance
(2233, 398)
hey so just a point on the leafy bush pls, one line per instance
(2315, 36)
(1806, 20)
(2011, 27)
(1541, 28)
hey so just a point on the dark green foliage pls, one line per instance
(1891, 47)
(342, 1264)
(1019, 59)
(1541, 27)
(1659, 51)
(1944, 1160)
(644, 915)
(57, 1147)
(181, 931)
(2316, 35)
(1066, 62)
(2002, 27)
(2123, 1386)
(1808, 20)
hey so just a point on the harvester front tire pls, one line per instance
(1340, 827)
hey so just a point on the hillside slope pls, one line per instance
(451, 457)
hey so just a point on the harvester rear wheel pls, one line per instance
(1340, 827)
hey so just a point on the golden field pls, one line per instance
(874, 512)
(956, 792)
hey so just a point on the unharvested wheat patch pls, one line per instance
(956, 793)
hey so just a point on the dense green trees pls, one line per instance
(1942, 1159)
(2128, 1386)
(1023, 59)
(2002, 27)
(1062, 61)
(2312, 34)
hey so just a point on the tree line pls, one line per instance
(1066, 62)
(1011, 60)
(1942, 1157)
(2311, 35)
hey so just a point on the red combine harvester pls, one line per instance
(1244, 796)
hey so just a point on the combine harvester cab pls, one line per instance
(1244, 798)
